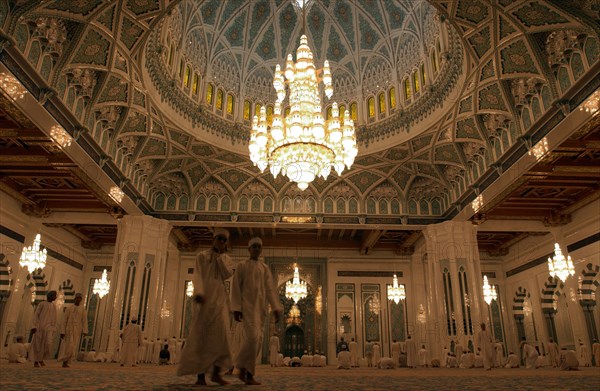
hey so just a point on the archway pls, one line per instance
(293, 343)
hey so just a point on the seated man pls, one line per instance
(542, 361)
(280, 362)
(403, 360)
(295, 362)
(286, 361)
(323, 361)
(344, 358)
(451, 361)
(306, 359)
(467, 360)
(568, 360)
(17, 352)
(164, 356)
(478, 363)
(512, 361)
(100, 357)
(387, 363)
(90, 356)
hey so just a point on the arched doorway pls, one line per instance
(293, 342)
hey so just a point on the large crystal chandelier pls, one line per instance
(32, 257)
(59, 134)
(296, 289)
(559, 266)
(489, 291)
(301, 144)
(592, 104)
(101, 285)
(12, 87)
(396, 292)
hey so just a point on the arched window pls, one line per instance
(195, 84)
(354, 111)
(340, 206)
(434, 61)
(342, 111)
(423, 74)
(328, 113)
(201, 203)
(186, 77)
(257, 108)
(392, 97)
(209, 93)
(269, 114)
(230, 103)
(219, 99)
(415, 77)
(407, 89)
(371, 107)
(243, 204)
(181, 66)
(381, 99)
(171, 52)
(247, 110)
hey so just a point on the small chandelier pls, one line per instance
(165, 311)
(296, 289)
(12, 87)
(61, 137)
(101, 285)
(396, 292)
(116, 193)
(189, 289)
(421, 314)
(592, 104)
(302, 145)
(489, 291)
(32, 257)
(559, 266)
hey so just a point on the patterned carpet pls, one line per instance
(104, 376)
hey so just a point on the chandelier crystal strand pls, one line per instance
(32, 257)
(559, 266)
(102, 285)
(489, 291)
(60, 135)
(396, 292)
(302, 145)
(296, 289)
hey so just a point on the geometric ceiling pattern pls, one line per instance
(493, 78)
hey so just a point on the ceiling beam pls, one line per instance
(370, 240)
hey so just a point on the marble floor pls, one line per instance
(106, 376)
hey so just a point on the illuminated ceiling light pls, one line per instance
(396, 292)
(32, 257)
(540, 149)
(301, 144)
(116, 193)
(592, 104)
(375, 304)
(559, 266)
(165, 310)
(421, 314)
(101, 285)
(298, 219)
(189, 289)
(477, 203)
(61, 136)
(489, 291)
(12, 87)
(296, 289)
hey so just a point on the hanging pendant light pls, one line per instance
(396, 292)
(559, 266)
(32, 257)
(102, 285)
(296, 289)
(489, 291)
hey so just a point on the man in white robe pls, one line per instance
(467, 360)
(530, 354)
(411, 353)
(444, 359)
(568, 360)
(17, 351)
(596, 352)
(306, 359)
(458, 350)
(273, 349)
(353, 346)
(451, 361)
(376, 354)
(173, 350)
(158, 346)
(207, 344)
(369, 353)
(499, 349)
(344, 359)
(422, 354)
(44, 329)
(132, 340)
(387, 363)
(74, 326)
(584, 355)
(396, 352)
(486, 347)
(252, 290)
(141, 355)
(553, 352)
(512, 361)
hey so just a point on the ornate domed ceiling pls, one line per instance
(447, 95)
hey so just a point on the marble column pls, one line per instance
(137, 277)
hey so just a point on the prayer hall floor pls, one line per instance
(106, 376)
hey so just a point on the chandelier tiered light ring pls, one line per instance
(396, 292)
(489, 291)
(102, 285)
(559, 266)
(32, 257)
(296, 289)
(302, 145)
